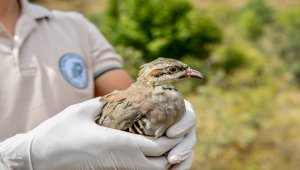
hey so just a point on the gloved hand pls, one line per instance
(182, 155)
(72, 140)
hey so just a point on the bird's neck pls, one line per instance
(148, 83)
(144, 83)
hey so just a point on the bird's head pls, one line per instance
(166, 71)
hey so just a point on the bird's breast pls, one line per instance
(163, 107)
(165, 104)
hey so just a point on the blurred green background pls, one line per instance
(248, 106)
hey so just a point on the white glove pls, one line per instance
(72, 140)
(182, 155)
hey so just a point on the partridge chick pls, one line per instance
(151, 104)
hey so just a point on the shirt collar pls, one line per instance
(34, 11)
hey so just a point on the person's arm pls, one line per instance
(105, 63)
(117, 79)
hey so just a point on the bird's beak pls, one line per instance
(193, 74)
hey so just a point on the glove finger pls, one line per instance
(183, 150)
(90, 108)
(159, 162)
(185, 124)
(156, 147)
(147, 145)
(186, 164)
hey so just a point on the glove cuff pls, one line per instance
(15, 152)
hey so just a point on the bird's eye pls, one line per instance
(173, 69)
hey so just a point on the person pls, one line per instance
(51, 60)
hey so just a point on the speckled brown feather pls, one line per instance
(146, 108)
(121, 109)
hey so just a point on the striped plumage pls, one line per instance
(151, 104)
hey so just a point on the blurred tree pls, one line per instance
(250, 25)
(232, 59)
(237, 64)
(253, 18)
(288, 41)
(263, 11)
(170, 28)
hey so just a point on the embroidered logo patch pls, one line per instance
(74, 70)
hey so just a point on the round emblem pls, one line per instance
(73, 68)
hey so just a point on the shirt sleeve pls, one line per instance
(103, 55)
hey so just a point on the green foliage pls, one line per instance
(288, 42)
(253, 18)
(250, 25)
(261, 9)
(237, 64)
(289, 24)
(170, 28)
(231, 58)
(295, 68)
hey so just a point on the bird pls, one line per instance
(151, 104)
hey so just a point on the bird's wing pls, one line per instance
(120, 110)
